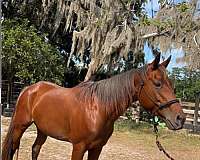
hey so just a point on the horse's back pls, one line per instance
(43, 87)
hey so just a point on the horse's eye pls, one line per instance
(157, 84)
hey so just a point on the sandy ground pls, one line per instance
(121, 146)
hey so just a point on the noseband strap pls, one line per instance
(159, 106)
(167, 104)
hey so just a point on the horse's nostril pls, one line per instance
(180, 119)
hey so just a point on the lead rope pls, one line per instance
(160, 147)
(155, 124)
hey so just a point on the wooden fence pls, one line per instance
(10, 93)
(192, 111)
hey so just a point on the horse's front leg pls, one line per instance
(93, 154)
(78, 151)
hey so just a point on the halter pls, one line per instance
(159, 106)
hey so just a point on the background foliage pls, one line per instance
(64, 55)
(187, 82)
(26, 56)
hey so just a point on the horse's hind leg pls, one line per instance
(93, 154)
(41, 138)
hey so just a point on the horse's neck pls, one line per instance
(119, 110)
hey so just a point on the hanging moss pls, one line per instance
(106, 28)
(176, 28)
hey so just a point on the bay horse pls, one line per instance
(85, 114)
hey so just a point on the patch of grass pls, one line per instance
(143, 132)
(129, 125)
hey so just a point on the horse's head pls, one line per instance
(156, 94)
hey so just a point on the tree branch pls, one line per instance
(154, 34)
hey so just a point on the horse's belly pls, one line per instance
(65, 118)
(53, 127)
(52, 120)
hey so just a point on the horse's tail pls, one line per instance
(7, 150)
(19, 122)
(22, 116)
(7, 144)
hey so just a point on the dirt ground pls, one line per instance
(121, 146)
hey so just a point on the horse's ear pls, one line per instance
(166, 62)
(156, 61)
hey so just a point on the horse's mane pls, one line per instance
(113, 93)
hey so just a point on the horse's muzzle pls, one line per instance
(177, 122)
(180, 120)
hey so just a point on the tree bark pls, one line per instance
(90, 72)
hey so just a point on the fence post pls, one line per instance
(196, 115)
(8, 96)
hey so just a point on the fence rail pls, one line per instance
(190, 115)
(192, 111)
(10, 92)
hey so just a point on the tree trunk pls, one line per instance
(90, 72)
